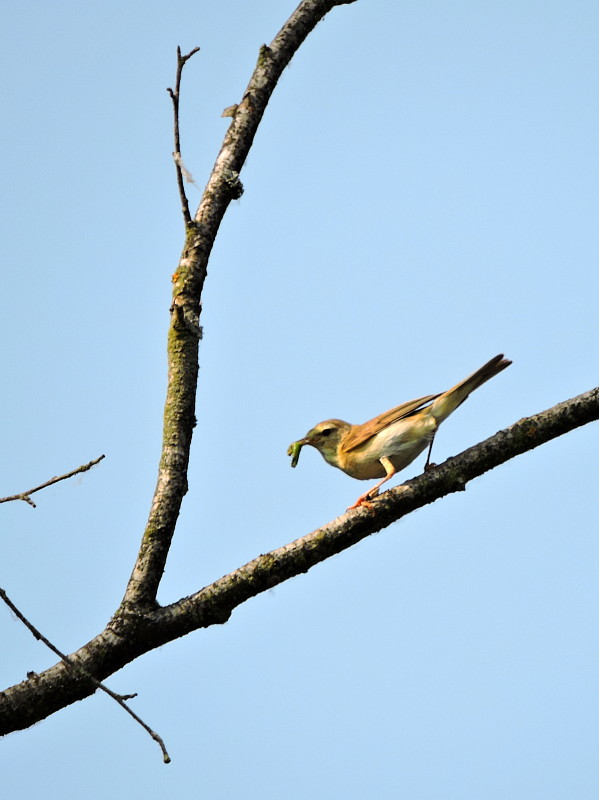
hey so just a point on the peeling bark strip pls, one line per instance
(128, 636)
(184, 333)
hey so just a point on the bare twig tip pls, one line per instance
(25, 496)
(181, 171)
(71, 664)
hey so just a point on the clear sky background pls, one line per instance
(421, 195)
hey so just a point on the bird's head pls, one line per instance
(325, 437)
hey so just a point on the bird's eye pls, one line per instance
(326, 432)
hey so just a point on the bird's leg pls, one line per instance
(364, 498)
(428, 464)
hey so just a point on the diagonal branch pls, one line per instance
(184, 331)
(214, 604)
(129, 636)
(26, 495)
(118, 698)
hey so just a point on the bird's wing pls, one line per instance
(361, 433)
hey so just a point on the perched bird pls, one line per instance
(388, 443)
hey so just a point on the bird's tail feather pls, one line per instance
(447, 403)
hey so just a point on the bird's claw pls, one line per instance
(364, 501)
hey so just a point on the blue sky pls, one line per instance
(421, 195)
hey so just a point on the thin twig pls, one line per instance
(119, 698)
(181, 60)
(26, 495)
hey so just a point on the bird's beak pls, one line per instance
(294, 450)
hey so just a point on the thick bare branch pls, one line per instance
(128, 636)
(132, 629)
(140, 625)
(214, 603)
(184, 332)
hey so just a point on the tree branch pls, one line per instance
(214, 604)
(136, 628)
(181, 61)
(128, 636)
(140, 624)
(184, 331)
(118, 698)
(26, 495)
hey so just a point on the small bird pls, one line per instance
(388, 443)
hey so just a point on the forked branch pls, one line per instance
(181, 170)
(140, 624)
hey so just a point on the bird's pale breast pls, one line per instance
(400, 442)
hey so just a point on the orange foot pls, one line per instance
(363, 500)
